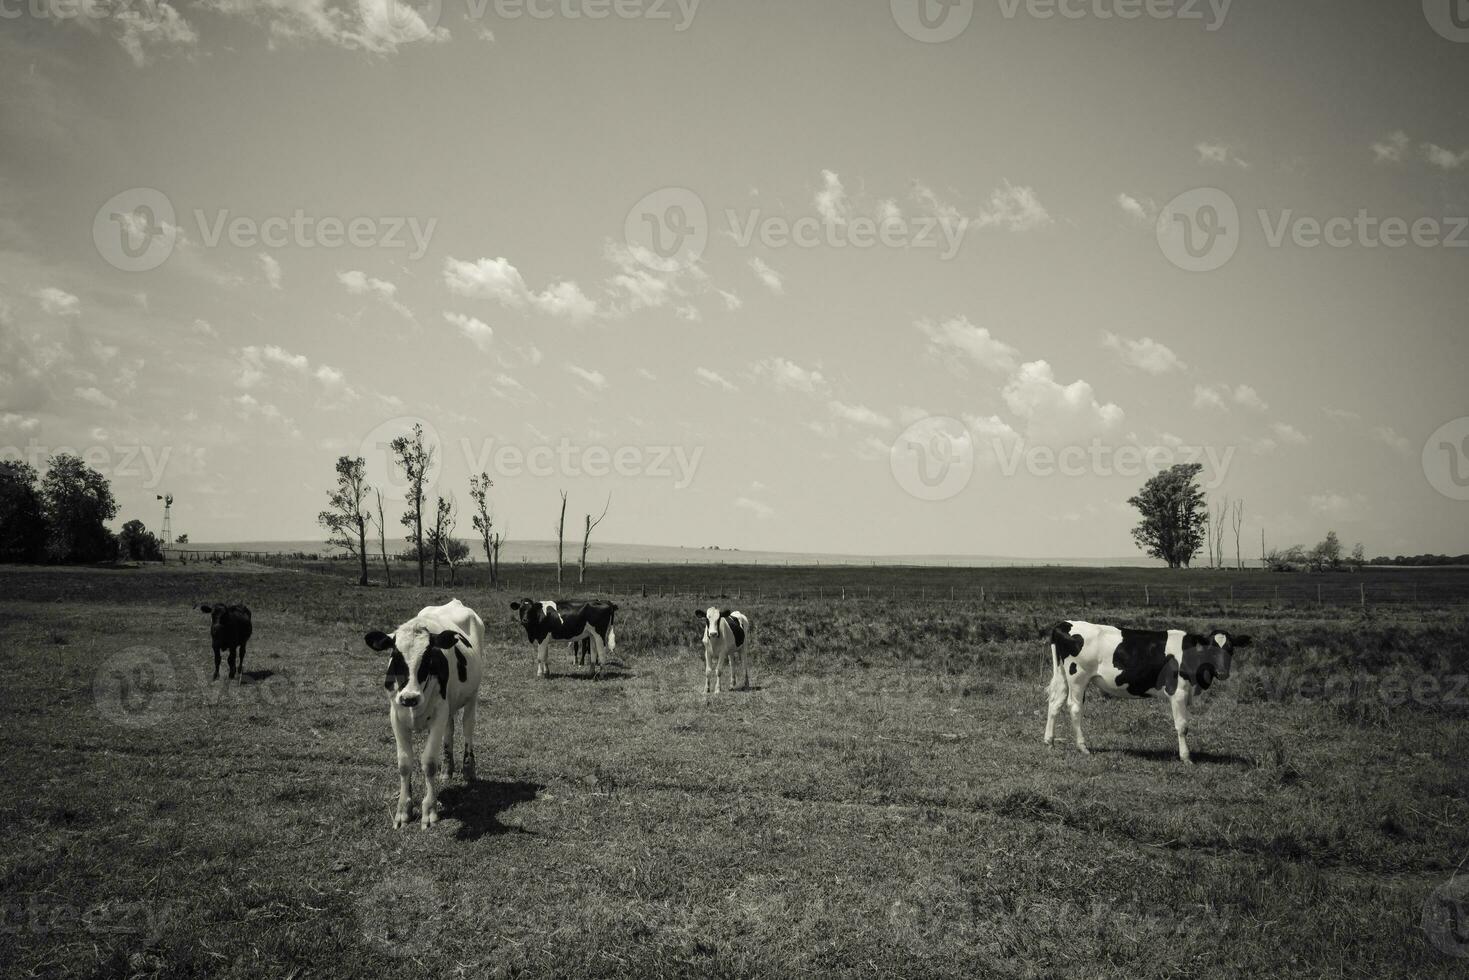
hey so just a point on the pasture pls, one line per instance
(880, 804)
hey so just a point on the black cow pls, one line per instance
(547, 620)
(1171, 664)
(229, 629)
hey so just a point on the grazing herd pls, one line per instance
(435, 665)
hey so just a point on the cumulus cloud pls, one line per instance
(1218, 154)
(957, 336)
(156, 25)
(831, 200)
(271, 269)
(359, 283)
(373, 26)
(1288, 434)
(498, 280)
(93, 396)
(1055, 411)
(1249, 398)
(58, 302)
(787, 374)
(476, 330)
(1442, 158)
(1014, 209)
(1146, 354)
(858, 414)
(1390, 148)
(714, 378)
(1391, 438)
(594, 379)
(1140, 210)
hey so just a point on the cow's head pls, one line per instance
(416, 658)
(1213, 658)
(533, 611)
(217, 612)
(709, 622)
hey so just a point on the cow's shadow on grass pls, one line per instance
(478, 805)
(613, 671)
(256, 676)
(1171, 755)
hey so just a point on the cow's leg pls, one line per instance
(708, 669)
(232, 663)
(469, 742)
(1179, 703)
(216, 662)
(1075, 691)
(403, 738)
(1057, 698)
(595, 642)
(745, 667)
(449, 748)
(242, 663)
(430, 760)
(543, 666)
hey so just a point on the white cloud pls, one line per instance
(256, 360)
(1442, 158)
(359, 283)
(858, 414)
(374, 26)
(1390, 148)
(1218, 154)
(1140, 210)
(787, 374)
(715, 379)
(1249, 398)
(1391, 438)
(1145, 354)
(1057, 412)
(1205, 397)
(1289, 434)
(1014, 209)
(595, 379)
(250, 407)
(772, 279)
(204, 327)
(20, 423)
(474, 329)
(93, 396)
(760, 510)
(930, 204)
(731, 301)
(58, 302)
(1339, 507)
(271, 269)
(831, 200)
(497, 279)
(959, 336)
(155, 25)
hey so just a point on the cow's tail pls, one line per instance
(1058, 679)
(612, 630)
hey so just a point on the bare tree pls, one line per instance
(497, 540)
(416, 459)
(441, 544)
(586, 540)
(483, 520)
(1218, 517)
(1238, 516)
(382, 541)
(346, 521)
(561, 540)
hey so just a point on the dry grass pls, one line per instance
(879, 805)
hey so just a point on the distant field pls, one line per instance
(879, 805)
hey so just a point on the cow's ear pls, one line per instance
(379, 641)
(447, 639)
(515, 605)
(1240, 641)
(701, 614)
(206, 608)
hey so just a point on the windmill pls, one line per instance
(167, 499)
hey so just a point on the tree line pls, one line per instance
(62, 517)
(430, 544)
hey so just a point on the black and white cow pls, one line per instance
(434, 671)
(229, 629)
(546, 620)
(725, 633)
(1170, 664)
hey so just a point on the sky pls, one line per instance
(905, 277)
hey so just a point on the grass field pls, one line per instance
(880, 804)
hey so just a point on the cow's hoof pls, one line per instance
(469, 772)
(1084, 750)
(400, 820)
(429, 819)
(1186, 761)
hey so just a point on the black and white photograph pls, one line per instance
(734, 488)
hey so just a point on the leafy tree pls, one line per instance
(78, 503)
(346, 521)
(484, 522)
(1174, 515)
(136, 543)
(416, 459)
(1326, 555)
(1359, 556)
(22, 517)
(181, 539)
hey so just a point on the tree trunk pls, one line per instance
(382, 541)
(362, 548)
(418, 532)
(561, 542)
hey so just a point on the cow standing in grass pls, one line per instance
(1139, 663)
(434, 670)
(229, 629)
(724, 639)
(546, 620)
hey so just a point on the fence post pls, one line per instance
(1318, 593)
(1362, 590)
(1147, 599)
